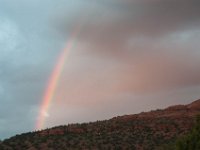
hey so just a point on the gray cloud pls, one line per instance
(27, 55)
(157, 41)
(139, 18)
(134, 54)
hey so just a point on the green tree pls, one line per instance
(192, 140)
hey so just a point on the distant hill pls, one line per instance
(145, 131)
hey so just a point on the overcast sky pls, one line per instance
(129, 56)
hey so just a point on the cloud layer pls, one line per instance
(129, 56)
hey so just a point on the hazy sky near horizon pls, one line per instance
(129, 56)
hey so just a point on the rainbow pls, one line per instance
(54, 80)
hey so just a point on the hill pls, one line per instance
(144, 131)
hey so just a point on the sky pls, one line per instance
(127, 57)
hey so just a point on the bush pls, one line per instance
(192, 140)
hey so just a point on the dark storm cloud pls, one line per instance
(157, 38)
(134, 18)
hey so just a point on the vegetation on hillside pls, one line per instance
(135, 133)
(155, 130)
(191, 141)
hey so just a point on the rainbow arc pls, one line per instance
(54, 80)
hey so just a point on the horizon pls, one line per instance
(71, 62)
(38, 130)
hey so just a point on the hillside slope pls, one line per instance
(144, 131)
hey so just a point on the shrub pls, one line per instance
(192, 140)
